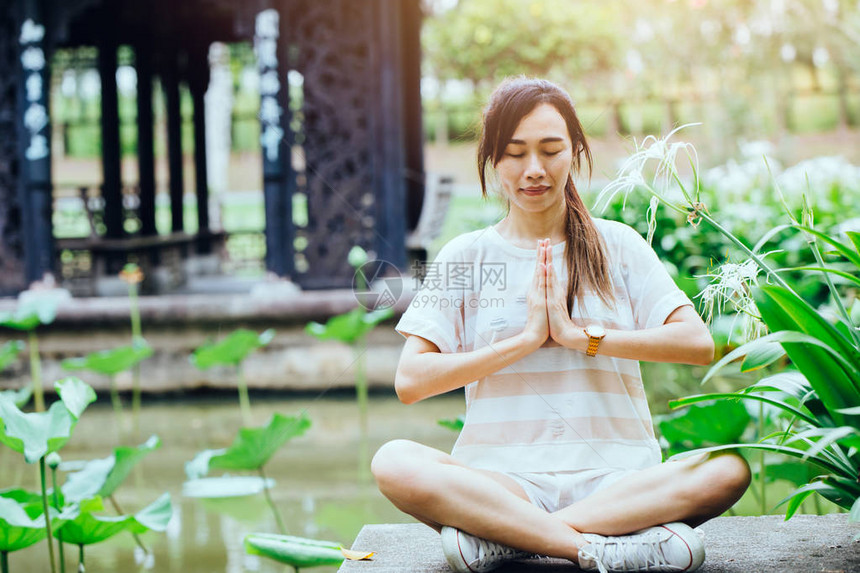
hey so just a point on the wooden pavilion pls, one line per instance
(360, 132)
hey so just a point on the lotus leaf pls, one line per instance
(31, 313)
(22, 522)
(232, 350)
(20, 528)
(9, 352)
(102, 477)
(40, 433)
(295, 551)
(88, 528)
(251, 449)
(350, 326)
(110, 362)
(19, 397)
(225, 486)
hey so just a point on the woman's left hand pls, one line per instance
(560, 323)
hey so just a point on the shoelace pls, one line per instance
(639, 554)
(492, 550)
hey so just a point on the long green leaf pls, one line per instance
(830, 363)
(686, 401)
(847, 276)
(843, 250)
(855, 240)
(793, 452)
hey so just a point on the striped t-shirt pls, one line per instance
(555, 409)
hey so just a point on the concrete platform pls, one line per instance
(767, 544)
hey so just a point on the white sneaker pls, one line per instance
(469, 554)
(669, 547)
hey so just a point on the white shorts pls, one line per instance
(552, 491)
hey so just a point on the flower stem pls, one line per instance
(81, 568)
(36, 372)
(136, 335)
(47, 514)
(4, 562)
(244, 401)
(57, 505)
(361, 399)
(117, 508)
(281, 529)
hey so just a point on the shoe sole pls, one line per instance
(452, 551)
(697, 552)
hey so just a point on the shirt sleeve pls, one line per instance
(653, 293)
(436, 310)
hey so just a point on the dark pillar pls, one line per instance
(388, 109)
(13, 276)
(145, 138)
(276, 142)
(174, 140)
(111, 166)
(198, 80)
(34, 139)
(411, 17)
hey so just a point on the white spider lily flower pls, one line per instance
(664, 155)
(733, 284)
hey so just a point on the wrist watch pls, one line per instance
(595, 334)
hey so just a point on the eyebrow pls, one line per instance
(544, 140)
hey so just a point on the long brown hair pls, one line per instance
(585, 252)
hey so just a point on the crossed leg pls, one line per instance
(438, 490)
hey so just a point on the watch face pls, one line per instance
(595, 331)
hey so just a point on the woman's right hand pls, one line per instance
(536, 330)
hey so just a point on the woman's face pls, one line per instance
(537, 161)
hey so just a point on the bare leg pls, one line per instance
(438, 490)
(692, 490)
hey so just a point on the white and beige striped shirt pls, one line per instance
(555, 409)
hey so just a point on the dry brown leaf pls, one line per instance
(356, 555)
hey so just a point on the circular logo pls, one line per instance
(377, 285)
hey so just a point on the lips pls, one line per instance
(535, 190)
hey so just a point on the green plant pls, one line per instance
(110, 363)
(298, 552)
(88, 528)
(28, 316)
(821, 398)
(232, 351)
(41, 433)
(133, 276)
(250, 451)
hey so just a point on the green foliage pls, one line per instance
(31, 313)
(88, 528)
(232, 350)
(101, 477)
(19, 397)
(455, 424)
(251, 449)
(111, 362)
(485, 41)
(9, 353)
(721, 422)
(350, 326)
(296, 551)
(40, 433)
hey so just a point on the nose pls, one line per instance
(534, 167)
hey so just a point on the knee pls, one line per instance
(723, 479)
(394, 465)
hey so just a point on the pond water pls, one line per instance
(319, 490)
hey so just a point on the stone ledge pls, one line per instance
(768, 544)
